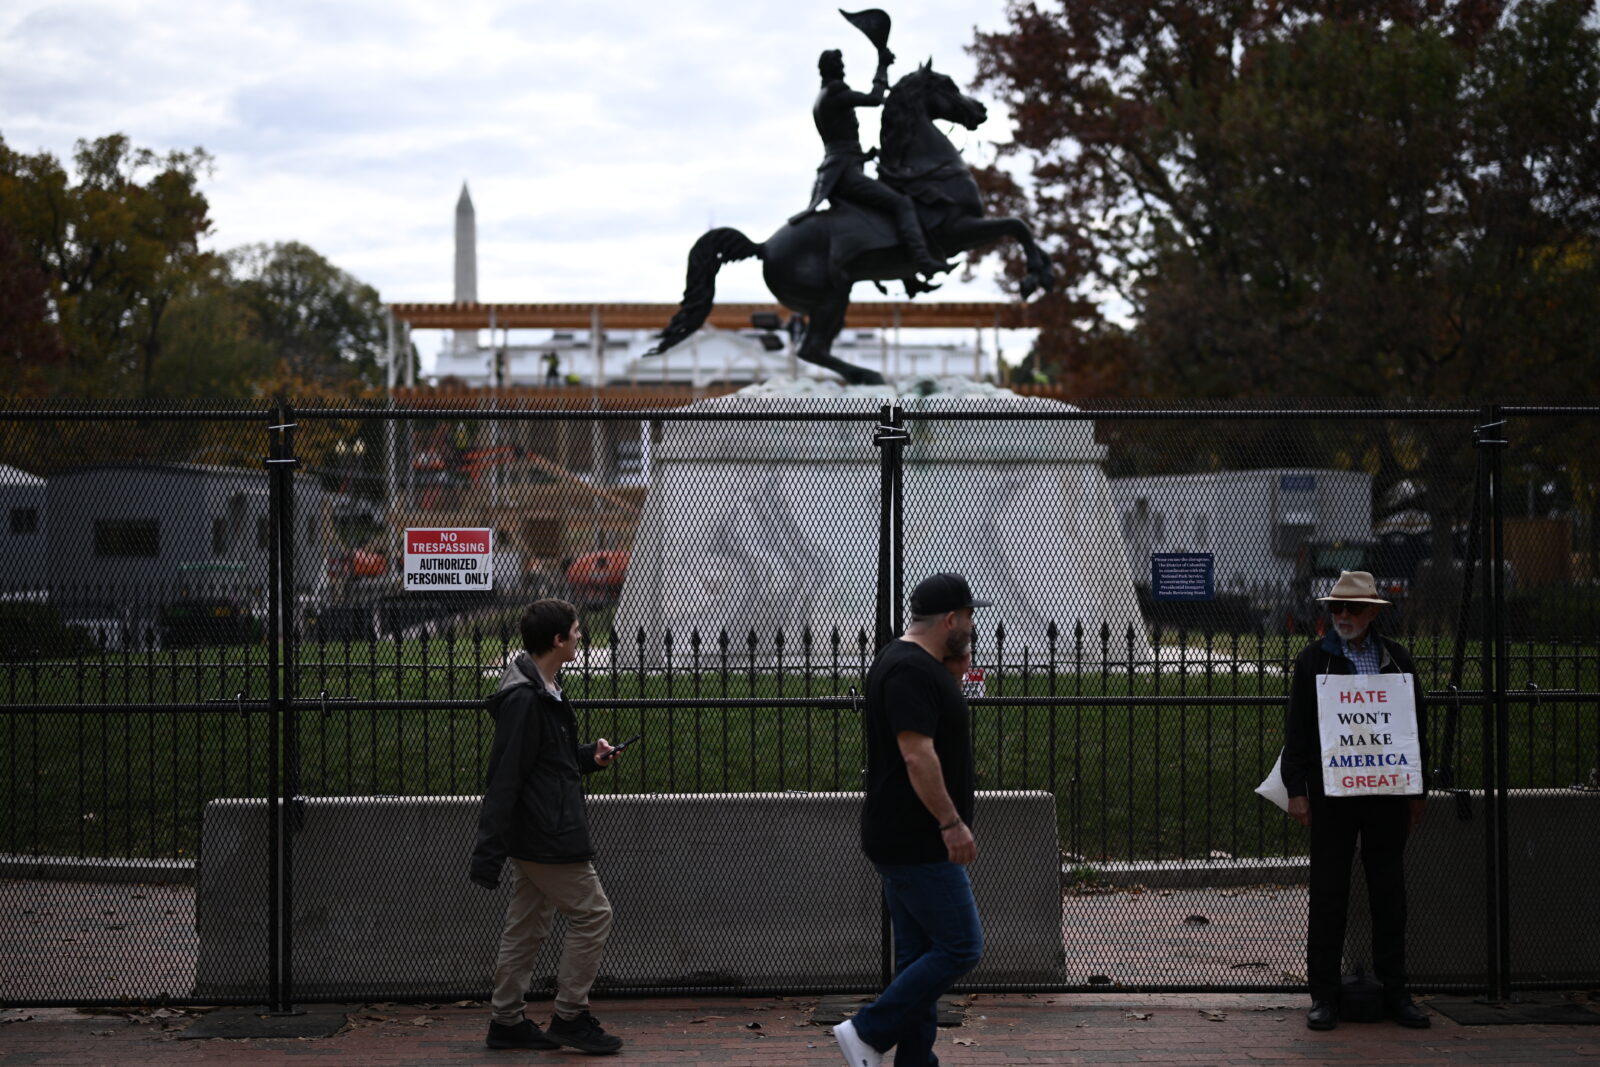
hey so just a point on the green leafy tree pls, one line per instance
(211, 348)
(322, 324)
(115, 240)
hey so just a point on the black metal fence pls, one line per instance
(213, 604)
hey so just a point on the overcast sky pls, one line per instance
(599, 138)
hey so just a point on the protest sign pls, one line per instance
(1368, 724)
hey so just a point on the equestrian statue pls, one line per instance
(923, 207)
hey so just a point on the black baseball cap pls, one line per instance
(942, 593)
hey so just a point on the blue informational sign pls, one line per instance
(1183, 576)
(1297, 483)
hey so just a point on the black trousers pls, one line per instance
(1381, 824)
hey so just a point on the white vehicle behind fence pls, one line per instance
(1252, 523)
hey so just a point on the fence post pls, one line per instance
(1445, 755)
(889, 438)
(275, 1000)
(283, 754)
(1489, 439)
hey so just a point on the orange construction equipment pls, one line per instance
(596, 577)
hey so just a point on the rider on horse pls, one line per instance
(841, 177)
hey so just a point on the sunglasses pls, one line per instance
(1341, 607)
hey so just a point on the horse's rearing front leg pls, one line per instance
(967, 233)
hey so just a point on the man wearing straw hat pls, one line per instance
(1352, 646)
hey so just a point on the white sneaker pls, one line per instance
(857, 1053)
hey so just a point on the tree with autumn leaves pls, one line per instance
(1394, 200)
(106, 292)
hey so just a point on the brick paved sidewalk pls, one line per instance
(768, 1032)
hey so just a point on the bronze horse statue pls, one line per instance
(811, 265)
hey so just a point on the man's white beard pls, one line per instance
(1349, 630)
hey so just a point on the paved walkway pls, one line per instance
(1227, 1029)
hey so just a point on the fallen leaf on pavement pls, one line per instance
(1214, 1016)
(1140, 1015)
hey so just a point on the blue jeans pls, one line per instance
(937, 939)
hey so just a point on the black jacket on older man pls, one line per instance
(1302, 740)
(1379, 824)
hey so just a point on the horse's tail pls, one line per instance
(716, 247)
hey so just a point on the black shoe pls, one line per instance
(521, 1035)
(1404, 1011)
(1324, 1015)
(584, 1034)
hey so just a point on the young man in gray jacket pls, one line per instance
(533, 813)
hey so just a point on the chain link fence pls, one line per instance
(207, 628)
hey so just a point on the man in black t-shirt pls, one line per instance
(915, 824)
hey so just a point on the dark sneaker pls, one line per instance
(522, 1035)
(583, 1034)
(1324, 1015)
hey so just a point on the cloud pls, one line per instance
(599, 138)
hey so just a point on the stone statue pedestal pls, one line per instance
(769, 526)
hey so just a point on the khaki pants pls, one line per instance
(538, 891)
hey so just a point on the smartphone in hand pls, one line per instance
(618, 748)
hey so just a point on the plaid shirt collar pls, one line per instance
(1368, 659)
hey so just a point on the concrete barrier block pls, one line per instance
(756, 890)
(1554, 837)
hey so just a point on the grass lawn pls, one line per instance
(1139, 781)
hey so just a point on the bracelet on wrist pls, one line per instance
(950, 825)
